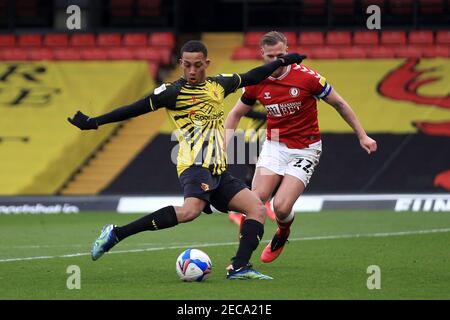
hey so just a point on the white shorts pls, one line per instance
(300, 163)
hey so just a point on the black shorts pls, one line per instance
(198, 182)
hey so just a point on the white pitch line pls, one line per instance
(39, 246)
(331, 237)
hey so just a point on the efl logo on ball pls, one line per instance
(193, 265)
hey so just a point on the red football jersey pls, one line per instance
(291, 104)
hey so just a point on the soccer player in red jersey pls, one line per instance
(293, 144)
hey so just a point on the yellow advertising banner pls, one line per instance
(39, 149)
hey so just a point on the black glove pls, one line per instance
(292, 58)
(82, 121)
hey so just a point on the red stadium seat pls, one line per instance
(94, 54)
(67, 54)
(420, 38)
(443, 37)
(109, 39)
(342, 7)
(367, 3)
(307, 50)
(352, 53)
(408, 52)
(27, 8)
(311, 39)
(134, 39)
(14, 54)
(30, 40)
(436, 52)
(314, 7)
(120, 54)
(381, 52)
(4, 8)
(121, 8)
(393, 38)
(37, 54)
(246, 53)
(342, 38)
(56, 40)
(324, 53)
(7, 40)
(365, 38)
(162, 39)
(431, 7)
(82, 40)
(149, 8)
(252, 39)
(291, 38)
(401, 7)
(148, 54)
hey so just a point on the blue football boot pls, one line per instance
(245, 273)
(105, 242)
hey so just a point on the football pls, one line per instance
(193, 265)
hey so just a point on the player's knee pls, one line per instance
(258, 212)
(263, 196)
(282, 208)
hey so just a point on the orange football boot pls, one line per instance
(275, 246)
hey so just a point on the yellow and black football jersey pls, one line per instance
(198, 114)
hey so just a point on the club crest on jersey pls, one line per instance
(294, 92)
(267, 95)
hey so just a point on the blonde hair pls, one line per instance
(272, 38)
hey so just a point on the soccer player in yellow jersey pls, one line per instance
(195, 105)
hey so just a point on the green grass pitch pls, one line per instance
(327, 258)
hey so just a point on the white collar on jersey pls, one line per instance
(283, 75)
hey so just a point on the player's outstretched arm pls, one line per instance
(347, 113)
(135, 109)
(260, 73)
